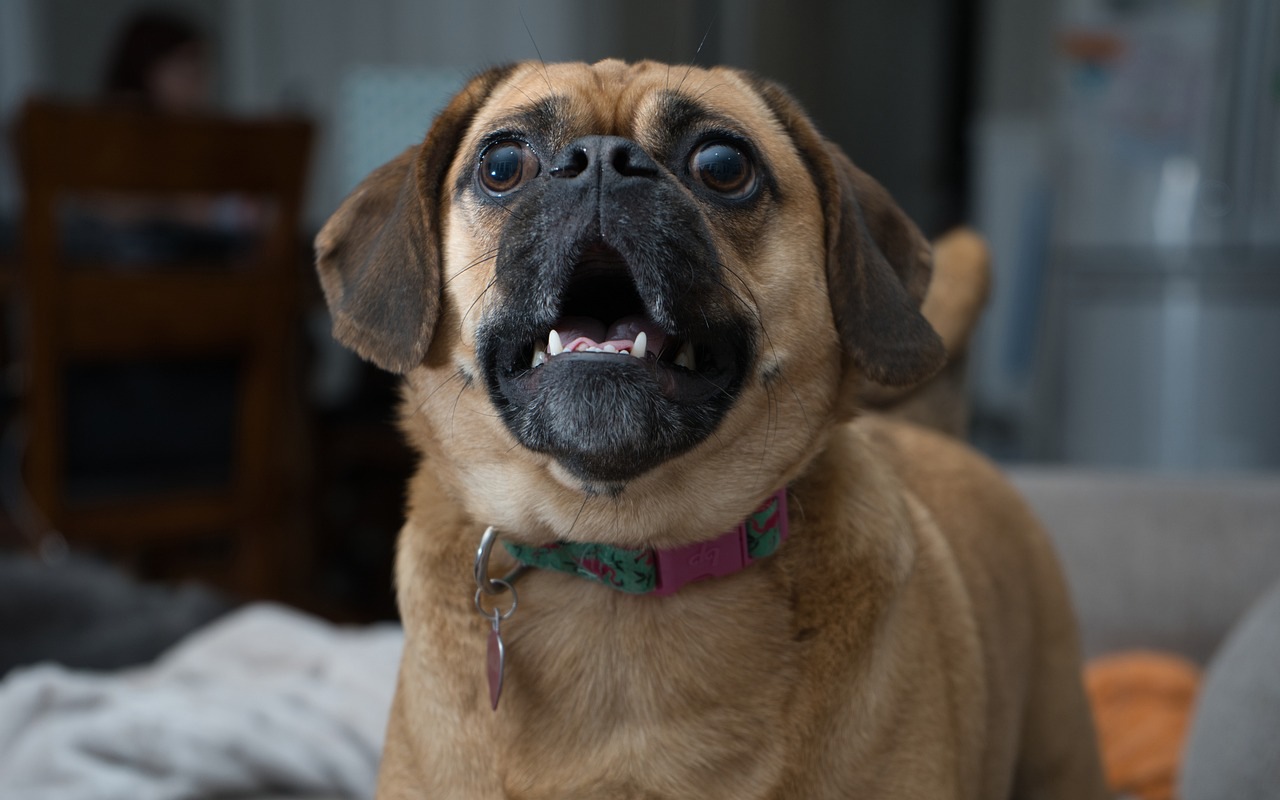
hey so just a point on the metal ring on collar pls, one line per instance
(483, 582)
(503, 586)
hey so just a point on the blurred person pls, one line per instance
(160, 61)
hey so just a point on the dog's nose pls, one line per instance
(608, 156)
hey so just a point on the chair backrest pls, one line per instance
(176, 306)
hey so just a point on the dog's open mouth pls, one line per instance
(603, 313)
(615, 366)
(604, 319)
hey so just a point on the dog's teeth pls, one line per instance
(554, 346)
(685, 357)
(642, 341)
(608, 348)
(539, 356)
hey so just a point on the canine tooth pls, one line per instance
(554, 346)
(685, 357)
(539, 356)
(642, 341)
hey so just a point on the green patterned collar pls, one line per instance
(663, 572)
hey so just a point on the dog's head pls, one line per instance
(560, 219)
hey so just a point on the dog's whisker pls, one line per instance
(750, 308)
(718, 439)
(804, 413)
(456, 375)
(775, 427)
(702, 43)
(770, 420)
(546, 76)
(485, 255)
(453, 415)
(709, 90)
(527, 96)
(576, 517)
(510, 211)
(477, 299)
(718, 388)
(746, 286)
(753, 307)
(490, 256)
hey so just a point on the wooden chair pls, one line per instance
(79, 311)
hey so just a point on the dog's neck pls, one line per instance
(665, 571)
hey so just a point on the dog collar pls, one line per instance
(664, 572)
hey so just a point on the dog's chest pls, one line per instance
(619, 696)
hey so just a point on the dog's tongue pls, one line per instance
(579, 333)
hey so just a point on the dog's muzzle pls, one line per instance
(617, 344)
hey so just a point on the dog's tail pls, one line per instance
(953, 305)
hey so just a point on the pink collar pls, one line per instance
(664, 572)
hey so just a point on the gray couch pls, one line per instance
(1156, 562)
(1183, 566)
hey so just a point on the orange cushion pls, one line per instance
(1142, 704)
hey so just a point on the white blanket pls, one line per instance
(264, 699)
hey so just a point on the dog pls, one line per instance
(635, 307)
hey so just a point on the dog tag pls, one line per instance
(496, 657)
(497, 662)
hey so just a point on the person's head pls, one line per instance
(160, 60)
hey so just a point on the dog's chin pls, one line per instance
(607, 418)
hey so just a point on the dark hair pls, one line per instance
(146, 39)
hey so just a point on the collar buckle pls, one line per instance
(724, 555)
(680, 566)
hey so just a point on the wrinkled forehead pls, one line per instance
(647, 102)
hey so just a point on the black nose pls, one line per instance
(610, 157)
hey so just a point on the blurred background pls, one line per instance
(173, 404)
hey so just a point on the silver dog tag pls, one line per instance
(497, 662)
(496, 657)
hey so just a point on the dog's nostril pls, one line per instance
(573, 163)
(632, 162)
(604, 157)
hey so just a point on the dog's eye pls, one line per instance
(505, 166)
(723, 168)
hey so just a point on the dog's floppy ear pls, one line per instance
(878, 262)
(379, 254)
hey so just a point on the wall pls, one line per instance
(20, 67)
(873, 73)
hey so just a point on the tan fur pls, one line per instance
(911, 639)
(955, 300)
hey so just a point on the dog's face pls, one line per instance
(629, 299)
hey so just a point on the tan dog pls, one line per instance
(911, 638)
